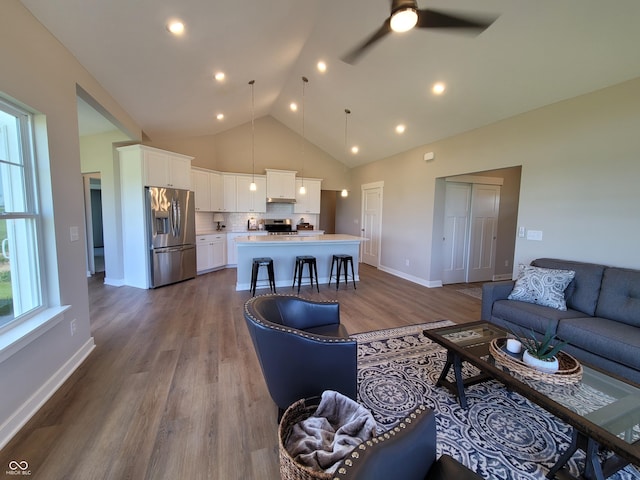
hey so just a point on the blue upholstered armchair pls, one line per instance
(407, 452)
(302, 348)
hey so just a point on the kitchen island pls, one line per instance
(283, 249)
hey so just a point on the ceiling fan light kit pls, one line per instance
(405, 15)
(404, 20)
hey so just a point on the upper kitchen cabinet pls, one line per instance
(281, 184)
(201, 185)
(155, 167)
(310, 201)
(162, 168)
(217, 191)
(229, 195)
(248, 200)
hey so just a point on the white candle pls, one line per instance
(513, 345)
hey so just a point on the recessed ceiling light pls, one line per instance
(176, 27)
(293, 106)
(219, 76)
(220, 116)
(400, 128)
(355, 149)
(322, 67)
(438, 88)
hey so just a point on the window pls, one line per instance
(20, 279)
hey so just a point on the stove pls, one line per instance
(275, 226)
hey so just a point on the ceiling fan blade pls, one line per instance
(428, 18)
(353, 56)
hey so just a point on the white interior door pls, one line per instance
(485, 206)
(86, 180)
(371, 223)
(456, 232)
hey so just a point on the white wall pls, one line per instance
(40, 73)
(97, 154)
(580, 167)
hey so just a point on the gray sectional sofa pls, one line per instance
(601, 323)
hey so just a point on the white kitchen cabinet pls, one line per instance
(229, 195)
(217, 192)
(281, 183)
(165, 169)
(210, 252)
(310, 201)
(201, 185)
(251, 201)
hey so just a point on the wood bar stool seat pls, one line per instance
(262, 262)
(301, 261)
(342, 261)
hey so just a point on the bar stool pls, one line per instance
(341, 261)
(309, 260)
(262, 262)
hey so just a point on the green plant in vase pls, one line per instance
(541, 354)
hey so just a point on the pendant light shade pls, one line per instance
(252, 186)
(347, 112)
(303, 190)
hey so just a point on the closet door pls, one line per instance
(456, 232)
(485, 206)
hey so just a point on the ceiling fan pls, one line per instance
(405, 15)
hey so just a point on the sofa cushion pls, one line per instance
(542, 286)
(530, 316)
(609, 338)
(582, 293)
(620, 296)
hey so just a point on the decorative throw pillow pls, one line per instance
(542, 286)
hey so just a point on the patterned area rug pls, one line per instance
(500, 436)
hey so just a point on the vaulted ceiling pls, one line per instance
(536, 53)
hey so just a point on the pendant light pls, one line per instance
(303, 190)
(252, 186)
(347, 112)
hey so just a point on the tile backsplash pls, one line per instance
(237, 222)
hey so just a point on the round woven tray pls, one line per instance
(569, 371)
(289, 469)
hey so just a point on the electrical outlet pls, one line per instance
(506, 263)
(73, 327)
(406, 262)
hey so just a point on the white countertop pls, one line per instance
(280, 239)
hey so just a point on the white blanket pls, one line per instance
(339, 424)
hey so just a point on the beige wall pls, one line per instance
(580, 167)
(41, 74)
(276, 146)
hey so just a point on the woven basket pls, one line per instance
(289, 469)
(569, 370)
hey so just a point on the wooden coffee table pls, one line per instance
(614, 426)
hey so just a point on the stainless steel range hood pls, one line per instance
(280, 200)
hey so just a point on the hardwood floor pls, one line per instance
(173, 389)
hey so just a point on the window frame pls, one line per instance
(27, 139)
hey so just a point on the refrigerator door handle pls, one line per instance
(175, 217)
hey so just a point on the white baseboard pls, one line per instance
(114, 282)
(503, 276)
(38, 399)
(411, 278)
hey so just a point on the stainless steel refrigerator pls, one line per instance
(172, 235)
